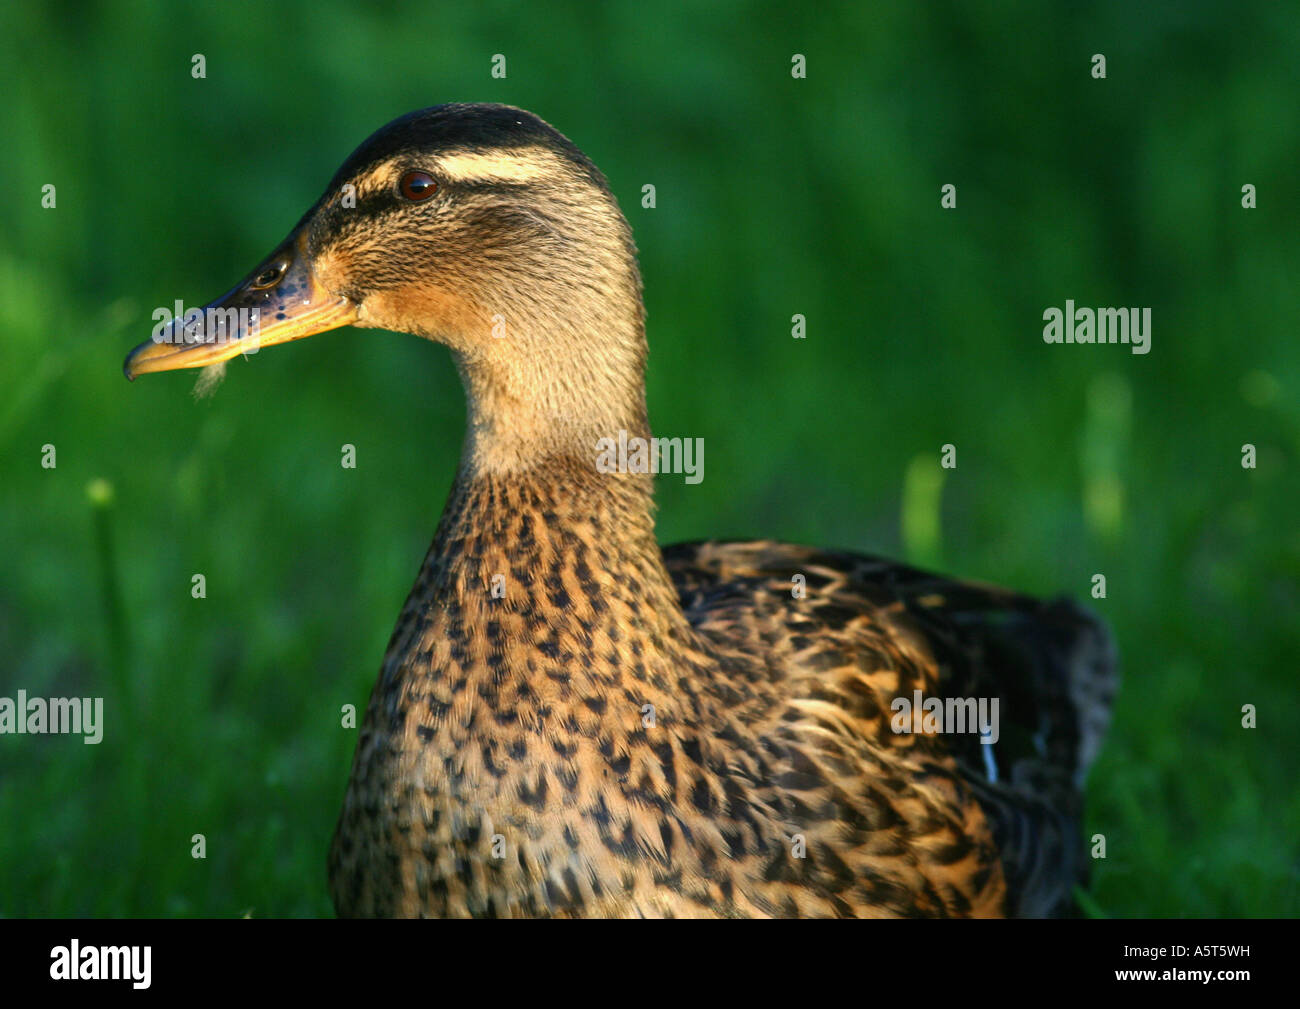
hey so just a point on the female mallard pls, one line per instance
(570, 722)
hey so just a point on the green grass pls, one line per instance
(775, 197)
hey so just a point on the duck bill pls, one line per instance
(281, 300)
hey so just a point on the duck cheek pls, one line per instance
(335, 271)
(432, 312)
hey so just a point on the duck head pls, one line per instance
(480, 227)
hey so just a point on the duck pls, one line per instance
(571, 721)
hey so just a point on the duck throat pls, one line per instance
(515, 427)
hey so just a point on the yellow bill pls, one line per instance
(279, 301)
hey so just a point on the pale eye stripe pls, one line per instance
(516, 166)
(510, 166)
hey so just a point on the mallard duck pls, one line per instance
(570, 721)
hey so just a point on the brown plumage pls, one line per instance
(570, 721)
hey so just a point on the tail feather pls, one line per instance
(1055, 665)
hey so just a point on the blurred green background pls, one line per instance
(775, 196)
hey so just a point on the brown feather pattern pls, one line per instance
(506, 766)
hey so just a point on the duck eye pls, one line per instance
(270, 276)
(418, 186)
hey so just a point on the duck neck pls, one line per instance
(565, 370)
(519, 425)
